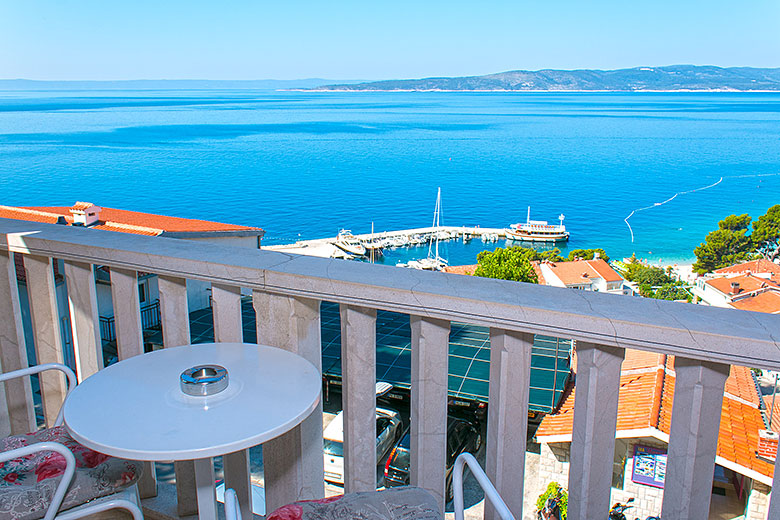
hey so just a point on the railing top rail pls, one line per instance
(707, 333)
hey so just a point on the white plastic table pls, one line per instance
(136, 410)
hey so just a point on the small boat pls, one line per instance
(537, 230)
(399, 241)
(349, 244)
(427, 264)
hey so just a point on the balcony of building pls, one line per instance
(286, 294)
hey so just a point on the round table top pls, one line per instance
(136, 410)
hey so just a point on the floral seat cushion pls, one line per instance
(27, 484)
(401, 503)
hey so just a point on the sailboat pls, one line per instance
(433, 262)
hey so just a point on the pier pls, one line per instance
(326, 247)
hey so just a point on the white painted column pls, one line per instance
(293, 462)
(693, 438)
(430, 357)
(13, 353)
(175, 317)
(510, 374)
(45, 321)
(358, 369)
(226, 303)
(593, 436)
(84, 318)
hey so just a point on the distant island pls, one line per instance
(671, 78)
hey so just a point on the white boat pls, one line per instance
(349, 244)
(537, 230)
(434, 262)
(399, 241)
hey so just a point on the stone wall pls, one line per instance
(758, 502)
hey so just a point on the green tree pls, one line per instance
(511, 263)
(653, 276)
(727, 245)
(735, 222)
(588, 254)
(670, 291)
(766, 233)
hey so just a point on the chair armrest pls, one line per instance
(487, 486)
(41, 368)
(67, 476)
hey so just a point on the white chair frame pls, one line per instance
(232, 510)
(491, 493)
(126, 499)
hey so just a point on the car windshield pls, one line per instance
(334, 448)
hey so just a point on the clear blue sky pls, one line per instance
(374, 39)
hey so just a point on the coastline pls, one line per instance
(548, 91)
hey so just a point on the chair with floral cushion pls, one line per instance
(45, 472)
(395, 503)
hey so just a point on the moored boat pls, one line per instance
(349, 244)
(537, 230)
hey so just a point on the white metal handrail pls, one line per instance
(467, 459)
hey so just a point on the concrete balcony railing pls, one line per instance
(286, 292)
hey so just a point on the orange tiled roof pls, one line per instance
(768, 301)
(582, 271)
(747, 283)
(124, 221)
(81, 206)
(754, 266)
(645, 402)
(461, 269)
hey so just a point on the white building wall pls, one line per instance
(549, 276)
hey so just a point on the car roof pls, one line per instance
(334, 431)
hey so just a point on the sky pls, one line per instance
(373, 39)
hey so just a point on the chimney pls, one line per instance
(85, 214)
(767, 444)
(734, 287)
(596, 255)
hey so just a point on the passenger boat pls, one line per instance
(537, 230)
(347, 242)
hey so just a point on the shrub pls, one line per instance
(553, 488)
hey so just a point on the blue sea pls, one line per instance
(303, 165)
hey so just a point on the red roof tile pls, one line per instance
(768, 301)
(646, 398)
(583, 271)
(124, 221)
(747, 283)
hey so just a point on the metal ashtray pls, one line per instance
(204, 380)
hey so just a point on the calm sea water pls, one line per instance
(304, 165)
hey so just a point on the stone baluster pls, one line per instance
(129, 341)
(293, 461)
(42, 293)
(358, 395)
(13, 354)
(174, 313)
(430, 356)
(84, 318)
(510, 373)
(228, 328)
(593, 435)
(693, 438)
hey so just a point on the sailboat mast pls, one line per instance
(436, 217)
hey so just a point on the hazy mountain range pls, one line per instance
(671, 78)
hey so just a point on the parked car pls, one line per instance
(462, 436)
(388, 429)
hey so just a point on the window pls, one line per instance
(142, 292)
